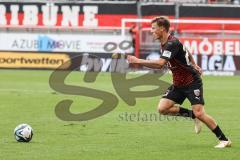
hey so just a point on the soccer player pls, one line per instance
(187, 82)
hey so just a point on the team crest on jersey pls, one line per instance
(197, 92)
(167, 53)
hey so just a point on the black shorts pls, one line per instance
(193, 92)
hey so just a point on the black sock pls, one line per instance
(219, 134)
(186, 113)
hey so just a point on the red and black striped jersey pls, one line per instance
(178, 62)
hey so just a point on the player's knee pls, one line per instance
(162, 110)
(198, 113)
(164, 106)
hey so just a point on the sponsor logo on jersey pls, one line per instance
(167, 53)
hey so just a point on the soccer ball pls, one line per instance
(23, 133)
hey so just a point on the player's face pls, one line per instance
(157, 31)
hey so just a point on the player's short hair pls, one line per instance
(162, 21)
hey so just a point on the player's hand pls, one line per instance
(199, 69)
(132, 59)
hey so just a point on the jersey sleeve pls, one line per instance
(170, 50)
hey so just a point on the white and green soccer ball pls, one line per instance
(23, 133)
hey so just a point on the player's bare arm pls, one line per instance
(194, 64)
(155, 64)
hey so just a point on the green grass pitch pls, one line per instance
(25, 97)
